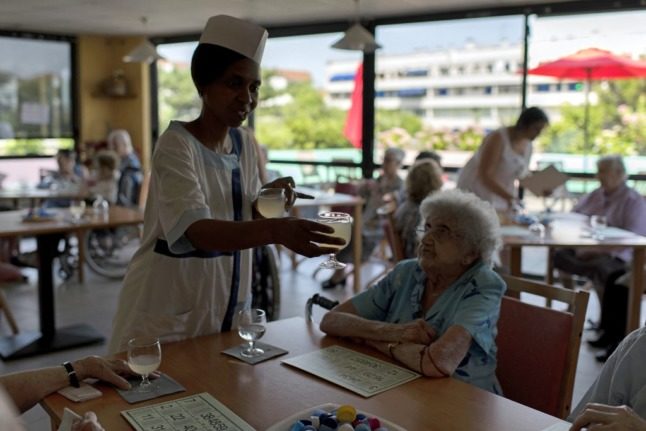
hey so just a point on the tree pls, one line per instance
(178, 99)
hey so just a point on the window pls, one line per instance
(35, 96)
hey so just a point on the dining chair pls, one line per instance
(538, 347)
(4, 307)
(393, 252)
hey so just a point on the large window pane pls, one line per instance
(617, 107)
(443, 85)
(35, 95)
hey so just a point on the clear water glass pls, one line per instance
(342, 224)
(598, 223)
(251, 327)
(144, 357)
(77, 209)
(271, 202)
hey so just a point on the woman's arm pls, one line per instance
(344, 321)
(602, 416)
(440, 359)
(27, 388)
(298, 235)
(492, 149)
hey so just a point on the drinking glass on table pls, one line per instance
(144, 357)
(77, 209)
(598, 223)
(251, 327)
(342, 224)
(271, 202)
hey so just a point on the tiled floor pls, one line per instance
(95, 302)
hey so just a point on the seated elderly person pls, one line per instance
(424, 178)
(437, 314)
(624, 208)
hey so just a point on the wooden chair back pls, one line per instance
(538, 347)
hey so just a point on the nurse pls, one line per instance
(193, 269)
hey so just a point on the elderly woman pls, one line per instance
(436, 315)
(424, 178)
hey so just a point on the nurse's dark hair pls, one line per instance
(209, 62)
(530, 116)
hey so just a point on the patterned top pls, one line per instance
(472, 302)
(622, 379)
(407, 220)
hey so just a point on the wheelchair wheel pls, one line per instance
(109, 251)
(265, 285)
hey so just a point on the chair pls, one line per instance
(348, 188)
(4, 306)
(538, 347)
(393, 251)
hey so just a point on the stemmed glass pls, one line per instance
(271, 202)
(144, 357)
(598, 224)
(251, 327)
(77, 209)
(342, 224)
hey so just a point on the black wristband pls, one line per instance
(71, 374)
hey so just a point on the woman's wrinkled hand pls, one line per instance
(604, 417)
(304, 236)
(287, 184)
(88, 422)
(417, 332)
(108, 370)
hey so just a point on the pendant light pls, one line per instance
(357, 38)
(145, 52)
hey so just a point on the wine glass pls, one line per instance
(271, 202)
(144, 357)
(77, 209)
(342, 224)
(598, 224)
(251, 327)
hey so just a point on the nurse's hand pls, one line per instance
(301, 236)
(605, 417)
(287, 184)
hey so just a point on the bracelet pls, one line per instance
(391, 346)
(71, 374)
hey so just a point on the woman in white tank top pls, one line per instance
(503, 158)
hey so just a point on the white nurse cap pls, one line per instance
(238, 35)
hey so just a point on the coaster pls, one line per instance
(163, 385)
(270, 352)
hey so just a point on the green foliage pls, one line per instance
(178, 99)
(617, 122)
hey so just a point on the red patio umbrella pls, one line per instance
(589, 64)
(353, 122)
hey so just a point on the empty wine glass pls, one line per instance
(598, 224)
(251, 327)
(144, 357)
(271, 202)
(77, 209)
(342, 224)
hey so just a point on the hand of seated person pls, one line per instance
(417, 332)
(108, 370)
(88, 422)
(602, 416)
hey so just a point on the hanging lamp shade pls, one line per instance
(145, 52)
(357, 38)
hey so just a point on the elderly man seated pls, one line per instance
(624, 208)
(436, 314)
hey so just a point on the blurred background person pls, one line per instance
(376, 192)
(130, 173)
(503, 158)
(69, 177)
(106, 176)
(424, 178)
(625, 208)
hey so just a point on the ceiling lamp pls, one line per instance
(357, 38)
(145, 52)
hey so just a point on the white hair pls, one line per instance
(120, 136)
(615, 161)
(475, 220)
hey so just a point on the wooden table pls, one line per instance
(571, 231)
(37, 196)
(338, 199)
(48, 234)
(268, 392)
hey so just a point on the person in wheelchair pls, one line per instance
(130, 173)
(436, 314)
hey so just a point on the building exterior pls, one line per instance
(455, 88)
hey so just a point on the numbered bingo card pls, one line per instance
(352, 370)
(200, 412)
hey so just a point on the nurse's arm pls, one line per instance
(298, 235)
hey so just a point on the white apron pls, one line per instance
(172, 290)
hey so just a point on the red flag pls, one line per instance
(353, 122)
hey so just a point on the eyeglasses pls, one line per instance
(439, 233)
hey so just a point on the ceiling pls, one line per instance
(175, 17)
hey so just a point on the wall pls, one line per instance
(98, 58)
